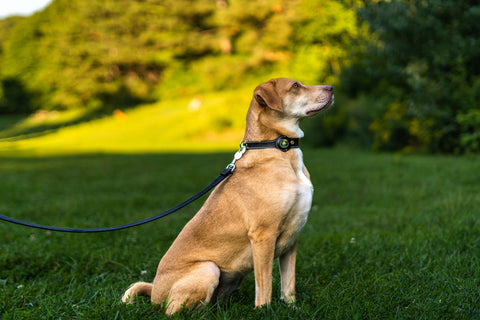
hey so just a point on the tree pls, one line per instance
(425, 58)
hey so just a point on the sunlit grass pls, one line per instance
(212, 122)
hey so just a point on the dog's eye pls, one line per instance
(295, 85)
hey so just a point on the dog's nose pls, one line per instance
(328, 88)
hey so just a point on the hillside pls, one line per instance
(205, 123)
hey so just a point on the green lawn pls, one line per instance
(388, 236)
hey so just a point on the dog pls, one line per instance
(251, 218)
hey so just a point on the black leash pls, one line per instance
(282, 143)
(223, 175)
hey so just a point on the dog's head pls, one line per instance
(293, 98)
(289, 101)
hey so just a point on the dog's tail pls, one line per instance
(137, 289)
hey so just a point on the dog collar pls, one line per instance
(282, 143)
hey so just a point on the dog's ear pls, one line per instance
(266, 95)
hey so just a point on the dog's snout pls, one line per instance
(328, 88)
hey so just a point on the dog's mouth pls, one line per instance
(320, 108)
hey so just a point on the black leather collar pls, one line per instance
(282, 143)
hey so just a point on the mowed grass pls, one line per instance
(389, 237)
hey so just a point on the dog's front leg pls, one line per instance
(287, 273)
(263, 248)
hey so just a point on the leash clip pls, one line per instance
(238, 155)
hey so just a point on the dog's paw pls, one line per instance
(288, 300)
(128, 297)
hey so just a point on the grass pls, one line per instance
(389, 237)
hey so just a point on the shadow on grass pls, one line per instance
(7, 122)
(16, 127)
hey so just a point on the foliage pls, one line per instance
(424, 58)
(406, 73)
(120, 53)
(15, 98)
(364, 253)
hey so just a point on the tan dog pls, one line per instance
(251, 218)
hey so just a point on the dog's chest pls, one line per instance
(297, 215)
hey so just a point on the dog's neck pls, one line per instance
(261, 127)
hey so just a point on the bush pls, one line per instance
(14, 97)
(428, 53)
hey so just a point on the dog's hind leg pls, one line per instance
(197, 286)
(137, 289)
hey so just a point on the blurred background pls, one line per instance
(178, 75)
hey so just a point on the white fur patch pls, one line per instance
(293, 125)
(305, 193)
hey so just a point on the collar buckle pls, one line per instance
(284, 143)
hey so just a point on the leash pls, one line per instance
(282, 143)
(223, 175)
